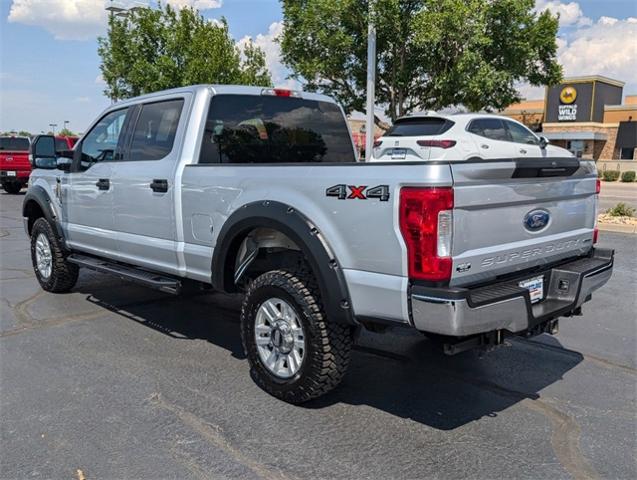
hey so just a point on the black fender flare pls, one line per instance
(41, 197)
(297, 227)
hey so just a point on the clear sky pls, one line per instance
(49, 67)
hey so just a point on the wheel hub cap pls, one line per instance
(43, 256)
(279, 337)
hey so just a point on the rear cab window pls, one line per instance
(419, 126)
(14, 144)
(272, 129)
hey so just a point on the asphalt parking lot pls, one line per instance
(118, 381)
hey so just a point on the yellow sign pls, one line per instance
(568, 95)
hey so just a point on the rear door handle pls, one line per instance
(159, 185)
(103, 184)
(522, 151)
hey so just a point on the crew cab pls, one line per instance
(14, 163)
(258, 191)
(466, 136)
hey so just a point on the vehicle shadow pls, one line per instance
(401, 372)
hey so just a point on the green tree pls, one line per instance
(65, 132)
(155, 49)
(431, 53)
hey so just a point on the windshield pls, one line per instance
(14, 144)
(268, 129)
(60, 144)
(417, 127)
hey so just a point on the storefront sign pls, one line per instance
(567, 113)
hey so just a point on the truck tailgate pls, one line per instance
(517, 214)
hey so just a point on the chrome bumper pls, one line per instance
(504, 305)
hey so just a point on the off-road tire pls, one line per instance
(328, 344)
(12, 187)
(63, 274)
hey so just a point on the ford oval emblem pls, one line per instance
(536, 220)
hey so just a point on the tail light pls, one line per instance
(598, 188)
(426, 224)
(437, 143)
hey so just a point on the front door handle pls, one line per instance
(103, 184)
(159, 185)
(522, 151)
(484, 145)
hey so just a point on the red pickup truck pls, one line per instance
(15, 167)
(14, 163)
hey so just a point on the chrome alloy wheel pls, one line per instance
(43, 256)
(279, 337)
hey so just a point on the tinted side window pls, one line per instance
(100, 143)
(154, 133)
(266, 129)
(492, 128)
(521, 134)
(412, 127)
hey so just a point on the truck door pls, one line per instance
(144, 189)
(88, 197)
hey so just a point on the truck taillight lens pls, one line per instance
(598, 188)
(426, 224)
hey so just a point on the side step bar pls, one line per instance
(133, 274)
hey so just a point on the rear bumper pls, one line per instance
(21, 176)
(506, 306)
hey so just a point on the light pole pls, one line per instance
(66, 122)
(53, 125)
(371, 82)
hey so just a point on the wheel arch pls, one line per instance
(37, 204)
(303, 233)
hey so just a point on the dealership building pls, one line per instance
(588, 116)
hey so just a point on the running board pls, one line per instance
(133, 274)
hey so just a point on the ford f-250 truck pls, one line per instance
(258, 191)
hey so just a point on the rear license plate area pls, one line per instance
(535, 286)
(398, 153)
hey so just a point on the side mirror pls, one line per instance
(43, 152)
(543, 142)
(64, 164)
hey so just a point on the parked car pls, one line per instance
(257, 190)
(14, 163)
(65, 142)
(431, 136)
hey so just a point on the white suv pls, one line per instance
(460, 137)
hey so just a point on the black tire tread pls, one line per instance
(332, 342)
(64, 274)
(12, 188)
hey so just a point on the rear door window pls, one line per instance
(14, 144)
(155, 130)
(269, 129)
(417, 127)
(492, 128)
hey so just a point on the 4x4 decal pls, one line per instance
(340, 191)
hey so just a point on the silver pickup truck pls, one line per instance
(258, 190)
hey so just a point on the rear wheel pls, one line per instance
(12, 187)
(295, 353)
(52, 270)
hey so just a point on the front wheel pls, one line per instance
(53, 271)
(294, 352)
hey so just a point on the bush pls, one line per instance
(628, 176)
(621, 210)
(610, 175)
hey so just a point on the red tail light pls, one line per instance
(598, 186)
(595, 235)
(425, 224)
(437, 143)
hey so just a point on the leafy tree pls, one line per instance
(155, 49)
(431, 54)
(65, 132)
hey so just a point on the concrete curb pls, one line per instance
(617, 228)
